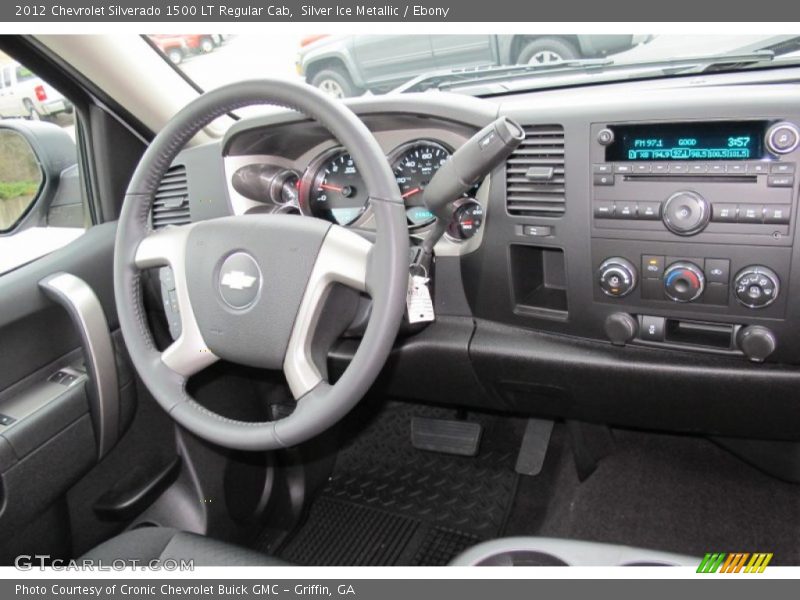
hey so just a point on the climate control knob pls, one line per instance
(617, 277)
(686, 213)
(756, 286)
(684, 281)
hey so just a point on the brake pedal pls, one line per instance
(533, 449)
(449, 437)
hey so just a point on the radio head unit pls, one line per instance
(690, 141)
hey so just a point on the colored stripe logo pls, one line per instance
(734, 562)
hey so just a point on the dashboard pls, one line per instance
(320, 178)
(632, 262)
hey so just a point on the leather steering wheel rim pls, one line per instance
(381, 270)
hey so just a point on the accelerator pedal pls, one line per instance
(533, 449)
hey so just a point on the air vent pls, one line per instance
(535, 173)
(171, 203)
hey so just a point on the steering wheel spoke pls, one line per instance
(343, 258)
(188, 354)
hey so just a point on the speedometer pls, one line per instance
(414, 166)
(335, 190)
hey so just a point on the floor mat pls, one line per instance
(387, 503)
(666, 492)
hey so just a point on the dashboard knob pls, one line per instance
(605, 137)
(467, 219)
(621, 328)
(617, 277)
(686, 213)
(756, 342)
(783, 138)
(684, 281)
(756, 286)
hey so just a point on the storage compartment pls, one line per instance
(538, 277)
(694, 333)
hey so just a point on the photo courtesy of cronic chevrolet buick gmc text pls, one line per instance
(518, 312)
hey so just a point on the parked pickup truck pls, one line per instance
(349, 65)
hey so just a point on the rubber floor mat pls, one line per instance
(388, 503)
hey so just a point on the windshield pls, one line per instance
(353, 65)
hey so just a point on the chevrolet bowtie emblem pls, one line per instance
(237, 280)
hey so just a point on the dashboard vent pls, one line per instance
(171, 202)
(535, 173)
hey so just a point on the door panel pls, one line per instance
(454, 51)
(392, 59)
(48, 438)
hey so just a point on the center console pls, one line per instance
(694, 218)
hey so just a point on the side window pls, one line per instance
(41, 193)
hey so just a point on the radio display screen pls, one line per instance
(721, 140)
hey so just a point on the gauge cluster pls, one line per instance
(330, 187)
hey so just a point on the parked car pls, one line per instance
(178, 47)
(348, 65)
(23, 94)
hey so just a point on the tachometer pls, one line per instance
(414, 166)
(336, 192)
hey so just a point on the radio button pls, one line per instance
(605, 136)
(649, 211)
(604, 210)
(625, 210)
(751, 213)
(724, 213)
(783, 138)
(641, 168)
(716, 168)
(758, 168)
(735, 168)
(777, 214)
(698, 168)
(679, 168)
(782, 168)
(603, 179)
(660, 168)
(602, 168)
(718, 270)
(686, 213)
(780, 180)
(624, 168)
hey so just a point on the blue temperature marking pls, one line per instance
(672, 276)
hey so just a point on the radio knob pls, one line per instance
(783, 138)
(686, 213)
(756, 286)
(684, 281)
(756, 342)
(617, 277)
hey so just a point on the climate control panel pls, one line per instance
(689, 280)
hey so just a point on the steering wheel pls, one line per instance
(250, 289)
